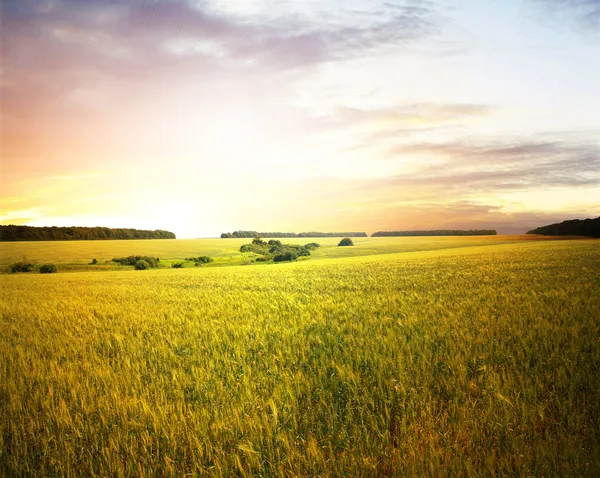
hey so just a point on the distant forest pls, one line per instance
(440, 232)
(575, 227)
(251, 234)
(29, 233)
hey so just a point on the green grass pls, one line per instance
(463, 361)
(76, 255)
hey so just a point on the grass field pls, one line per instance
(76, 255)
(413, 357)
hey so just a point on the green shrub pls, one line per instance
(311, 246)
(346, 241)
(94, 262)
(142, 265)
(200, 260)
(177, 265)
(133, 260)
(303, 251)
(286, 256)
(21, 267)
(48, 269)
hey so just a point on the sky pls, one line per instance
(208, 116)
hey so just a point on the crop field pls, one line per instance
(395, 357)
(77, 255)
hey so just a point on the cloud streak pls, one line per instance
(585, 12)
(500, 167)
(131, 39)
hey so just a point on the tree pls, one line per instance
(47, 269)
(21, 267)
(141, 265)
(346, 241)
(286, 256)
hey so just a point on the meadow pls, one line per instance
(76, 255)
(396, 357)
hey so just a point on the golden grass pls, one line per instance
(472, 361)
(76, 255)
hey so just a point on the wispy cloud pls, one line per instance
(72, 66)
(178, 37)
(19, 216)
(585, 12)
(478, 167)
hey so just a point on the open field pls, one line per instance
(416, 356)
(76, 255)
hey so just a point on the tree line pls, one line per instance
(270, 235)
(333, 234)
(574, 227)
(438, 232)
(54, 233)
(252, 234)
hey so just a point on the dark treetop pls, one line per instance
(575, 227)
(238, 234)
(29, 233)
(440, 232)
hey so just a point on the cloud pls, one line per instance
(461, 171)
(501, 167)
(378, 127)
(380, 211)
(472, 215)
(132, 39)
(20, 216)
(71, 67)
(585, 12)
(411, 113)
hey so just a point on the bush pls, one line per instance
(201, 259)
(133, 260)
(142, 265)
(287, 256)
(21, 267)
(94, 262)
(303, 251)
(177, 265)
(346, 241)
(47, 269)
(311, 246)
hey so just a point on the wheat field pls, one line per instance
(75, 256)
(471, 359)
